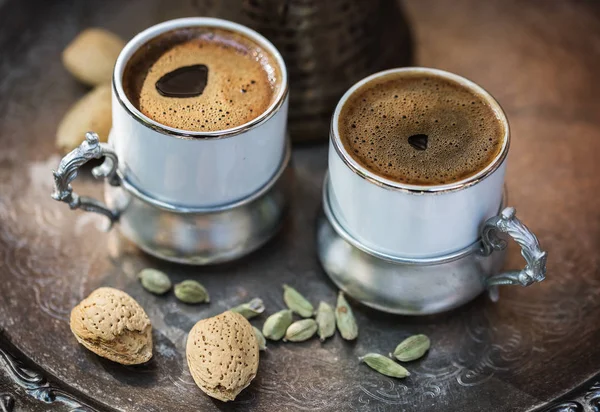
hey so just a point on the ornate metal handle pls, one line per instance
(90, 148)
(535, 257)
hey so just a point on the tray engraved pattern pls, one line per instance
(536, 349)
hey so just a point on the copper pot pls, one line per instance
(327, 45)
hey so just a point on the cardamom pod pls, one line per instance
(300, 330)
(190, 291)
(276, 324)
(412, 348)
(384, 365)
(325, 321)
(155, 281)
(344, 319)
(250, 309)
(260, 339)
(296, 302)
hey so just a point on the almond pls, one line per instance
(113, 325)
(91, 56)
(90, 113)
(222, 355)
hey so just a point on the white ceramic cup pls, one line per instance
(197, 169)
(411, 221)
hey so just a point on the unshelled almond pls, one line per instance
(91, 56)
(222, 354)
(113, 325)
(90, 113)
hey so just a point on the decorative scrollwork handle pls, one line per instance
(90, 148)
(535, 257)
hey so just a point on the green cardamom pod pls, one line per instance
(344, 319)
(190, 291)
(276, 324)
(296, 302)
(260, 339)
(384, 365)
(300, 330)
(412, 348)
(325, 321)
(155, 281)
(250, 309)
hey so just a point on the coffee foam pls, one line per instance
(464, 134)
(243, 79)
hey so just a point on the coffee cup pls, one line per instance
(413, 200)
(198, 145)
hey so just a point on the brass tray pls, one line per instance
(536, 349)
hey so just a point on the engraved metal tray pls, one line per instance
(536, 349)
